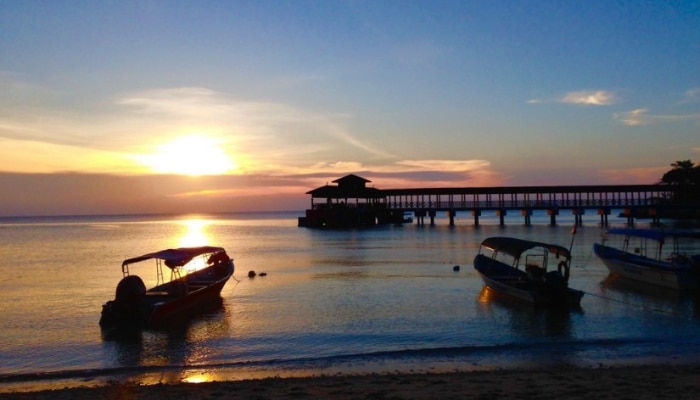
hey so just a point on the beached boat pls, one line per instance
(519, 268)
(197, 275)
(666, 258)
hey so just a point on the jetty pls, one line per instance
(350, 203)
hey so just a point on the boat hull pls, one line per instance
(180, 309)
(641, 269)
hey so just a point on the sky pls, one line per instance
(110, 107)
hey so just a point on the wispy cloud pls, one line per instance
(421, 52)
(692, 95)
(444, 165)
(263, 135)
(590, 98)
(414, 173)
(582, 97)
(641, 116)
(642, 176)
(249, 121)
(633, 118)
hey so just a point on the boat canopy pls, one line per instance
(656, 234)
(175, 257)
(515, 247)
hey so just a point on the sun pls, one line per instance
(193, 155)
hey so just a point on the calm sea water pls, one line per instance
(378, 300)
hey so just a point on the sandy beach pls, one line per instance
(632, 382)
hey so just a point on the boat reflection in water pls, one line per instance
(642, 295)
(168, 356)
(526, 320)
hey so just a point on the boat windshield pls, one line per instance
(516, 247)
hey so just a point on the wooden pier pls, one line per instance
(351, 204)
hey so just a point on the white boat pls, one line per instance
(520, 269)
(666, 258)
(197, 275)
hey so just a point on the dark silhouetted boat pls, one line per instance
(520, 269)
(666, 258)
(197, 276)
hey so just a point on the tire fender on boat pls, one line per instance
(563, 269)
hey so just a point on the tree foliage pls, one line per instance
(685, 175)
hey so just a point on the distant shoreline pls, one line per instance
(147, 215)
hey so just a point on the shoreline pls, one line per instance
(678, 381)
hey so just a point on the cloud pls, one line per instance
(418, 53)
(641, 117)
(582, 97)
(592, 98)
(444, 165)
(632, 176)
(79, 193)
(411, 173)
(692, 95)
(338, 166)
(264, 135)
(633, 118)
(265, 122)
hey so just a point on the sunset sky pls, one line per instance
(210, 106)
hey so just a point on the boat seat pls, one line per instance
(535, 272)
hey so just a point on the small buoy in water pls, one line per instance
(251, 274)
(455, 268)
(263, 274)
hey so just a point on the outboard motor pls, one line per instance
(130, 290)
(126, 308)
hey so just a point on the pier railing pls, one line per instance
(517, 204)
(531, 197)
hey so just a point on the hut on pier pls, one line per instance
(347, 204)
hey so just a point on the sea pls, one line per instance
(393, 298)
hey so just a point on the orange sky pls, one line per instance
(206, 107)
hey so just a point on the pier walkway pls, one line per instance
(350, 203)
(634, 200)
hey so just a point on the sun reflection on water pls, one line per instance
(197, 377)
(195, 234)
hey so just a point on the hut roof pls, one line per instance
(349, 186)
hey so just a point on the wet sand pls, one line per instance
(633, 382)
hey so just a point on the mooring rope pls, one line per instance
(585, 264)
(643, 307)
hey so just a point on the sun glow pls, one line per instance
(195, 233)
(192, 155)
